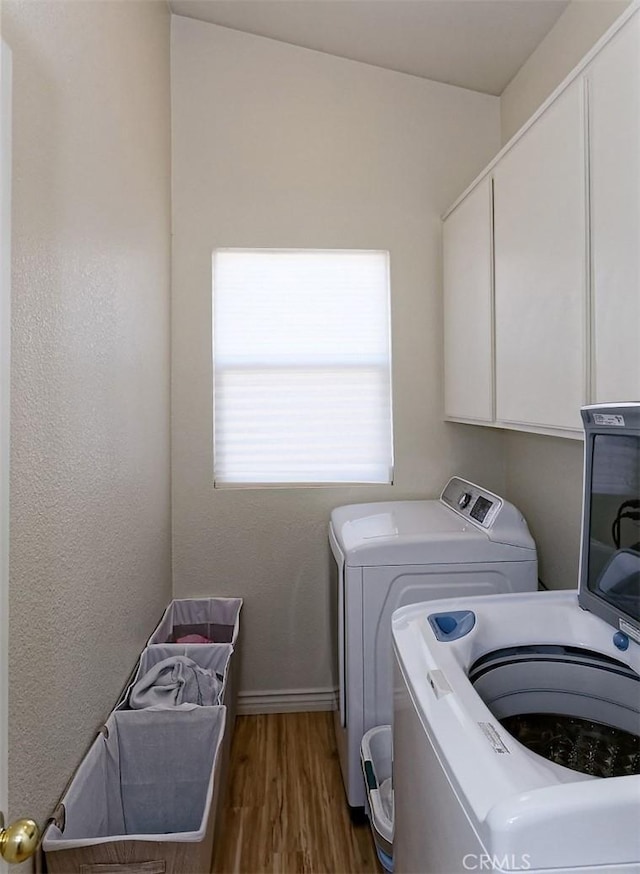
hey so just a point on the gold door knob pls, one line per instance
(19, 840)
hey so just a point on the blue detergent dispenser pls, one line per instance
(452, 626)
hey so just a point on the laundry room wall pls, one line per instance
(280, 146)
(90, 520)
(544, 474)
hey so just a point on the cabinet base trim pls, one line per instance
(545, 430)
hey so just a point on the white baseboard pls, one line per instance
(286, 701)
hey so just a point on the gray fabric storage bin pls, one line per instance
(210, 656)
(217, 657)
(212, 617)
(215, 618)
(145, 798)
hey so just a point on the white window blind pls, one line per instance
(302, 367)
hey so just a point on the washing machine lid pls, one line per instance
(467, 524)
(610, 548)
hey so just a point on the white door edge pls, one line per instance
(5, 339)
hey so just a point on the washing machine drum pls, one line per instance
(575, 707)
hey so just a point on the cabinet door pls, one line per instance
(540, 270)
(468, 308)
(614, 122)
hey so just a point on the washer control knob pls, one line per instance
(463, 500)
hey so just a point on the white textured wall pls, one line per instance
(579, 27)
(90, 516)
(275, 145)
(544, 474)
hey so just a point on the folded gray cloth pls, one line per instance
(176, 680)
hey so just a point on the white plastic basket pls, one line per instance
(376, 756)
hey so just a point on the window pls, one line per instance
(302, 361)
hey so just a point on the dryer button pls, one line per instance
(464, 499)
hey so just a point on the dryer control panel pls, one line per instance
(471, 502)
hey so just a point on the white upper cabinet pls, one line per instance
(614, 122)
(468, 329)
(542, 300)
(541, 270)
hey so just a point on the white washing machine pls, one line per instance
(469, 542)
(517, 717)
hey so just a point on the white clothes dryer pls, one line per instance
(390, 554)
(516, 728)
